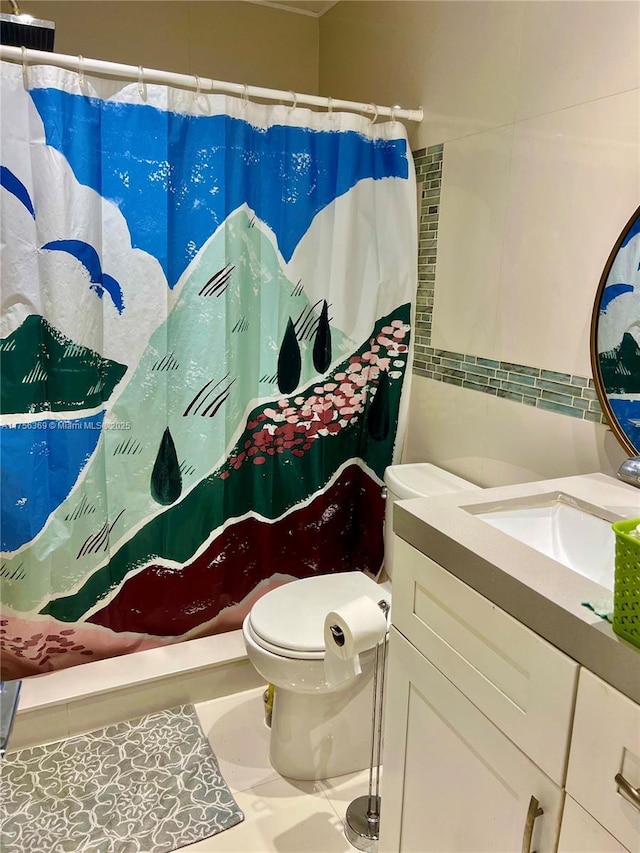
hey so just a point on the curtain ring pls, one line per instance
(196, 95)
(245, 96)
(25, 67)
(330, 108)
(375, 114)
(142, 86)
(393, 113)
(294, 98)
(81, 73)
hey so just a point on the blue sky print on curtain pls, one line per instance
(196, 170)
(207, 304)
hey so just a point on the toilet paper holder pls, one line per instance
(362, 819)
(338, 635)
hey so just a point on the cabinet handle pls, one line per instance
(631, 794)
(533, 812)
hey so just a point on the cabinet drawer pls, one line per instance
(606, 741)
(580, 833)
(523, 684)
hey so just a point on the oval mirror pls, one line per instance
(615, 337)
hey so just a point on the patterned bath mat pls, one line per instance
(150, 785)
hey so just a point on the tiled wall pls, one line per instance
(562, 393)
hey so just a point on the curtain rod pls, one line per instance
(203, 85)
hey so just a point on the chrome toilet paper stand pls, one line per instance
(362, 820)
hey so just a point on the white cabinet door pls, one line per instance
(452, 781)
(605, 757)
(521, 682)
(580, 833)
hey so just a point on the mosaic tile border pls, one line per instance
(562, 393)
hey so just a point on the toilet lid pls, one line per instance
(292, 616)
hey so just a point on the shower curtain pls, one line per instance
(205, 333)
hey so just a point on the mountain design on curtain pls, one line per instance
(205, 332)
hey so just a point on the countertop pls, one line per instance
(533, 588)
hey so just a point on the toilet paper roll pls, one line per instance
(337, 671)
(357, 626)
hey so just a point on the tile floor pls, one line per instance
(281, 816)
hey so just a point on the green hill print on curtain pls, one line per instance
(201, 368)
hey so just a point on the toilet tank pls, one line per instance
(416, 480)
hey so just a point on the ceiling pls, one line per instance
(315, 8)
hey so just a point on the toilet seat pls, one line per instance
(280, 650)
(289, 620)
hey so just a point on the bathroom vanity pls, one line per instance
(513, 712)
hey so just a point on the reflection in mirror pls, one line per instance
(615, 337)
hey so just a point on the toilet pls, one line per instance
(418, 480)
(318, 729)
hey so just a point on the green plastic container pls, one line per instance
(626, 595)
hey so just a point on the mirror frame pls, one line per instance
(603, 399)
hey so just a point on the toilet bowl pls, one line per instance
(319, 729)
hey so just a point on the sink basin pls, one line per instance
(570, 534)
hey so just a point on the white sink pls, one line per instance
(569, 534)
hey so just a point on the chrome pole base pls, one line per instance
(362, 825)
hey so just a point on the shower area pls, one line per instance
(207, 298)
